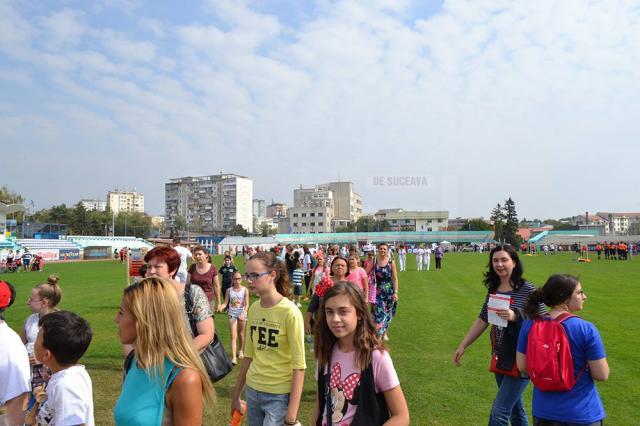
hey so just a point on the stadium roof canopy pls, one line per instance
(388, 237)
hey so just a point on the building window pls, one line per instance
(320, 223)
(320, 214)
(312, 224)
(394, 221)
(407, 221)
(295, 224)
(295, 215)
(304, 223)
(439, 220)
(429, 229)
(304, 215)
(312, 214)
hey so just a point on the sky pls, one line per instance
(426, 105)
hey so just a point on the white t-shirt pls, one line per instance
(184, 254)
(31, 328)
(15, 372)
(69, 399)
(420, 252)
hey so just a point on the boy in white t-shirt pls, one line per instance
(15, 372)
(63, 339)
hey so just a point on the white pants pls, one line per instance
(419, 262)
(403, 263)
(427, 262)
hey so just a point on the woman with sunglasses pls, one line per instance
(274, 364)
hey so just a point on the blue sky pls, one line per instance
(486, 99)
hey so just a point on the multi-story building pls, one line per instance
(91, 205)
(125, 201)
(259, 208)
(214, 203)
(619, 223)
(275, 210)
(323, 208)
(401, 220)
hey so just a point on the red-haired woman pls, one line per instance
(163, 262)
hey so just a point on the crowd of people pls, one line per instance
(20, 261)
(166, 320)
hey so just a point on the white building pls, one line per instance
(215, 202)
(402, 220)
(619, 223)
(323, 208)
(259, 208)
(91, 205)
(125, 201)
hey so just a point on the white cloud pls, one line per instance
(357, 90)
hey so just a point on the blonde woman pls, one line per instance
(165, 383)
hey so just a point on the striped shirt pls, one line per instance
(518, 300)
(298, 275)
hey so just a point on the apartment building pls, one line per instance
(125, 201)
(216, 203)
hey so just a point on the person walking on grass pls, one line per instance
(503, 280)
(386, 282)
(564, 295)
(165, 382)
(272, 371)
(357, 383)
(236, 300)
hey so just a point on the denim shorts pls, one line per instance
(266, 409)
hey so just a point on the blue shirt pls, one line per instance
(581, 404)
(142, 400)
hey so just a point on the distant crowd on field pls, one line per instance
(168, 334)
(17, 261)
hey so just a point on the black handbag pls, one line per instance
(214, 357)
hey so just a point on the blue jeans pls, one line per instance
(508, 403)
(266, 409)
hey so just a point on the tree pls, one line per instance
(497, 217)
(475, 225)
(510, 227)
(238, 230)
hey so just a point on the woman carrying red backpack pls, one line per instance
(581, 404)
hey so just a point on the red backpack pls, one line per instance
(549, 360)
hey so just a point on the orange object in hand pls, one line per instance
(238, 416)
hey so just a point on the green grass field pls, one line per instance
(435, 310)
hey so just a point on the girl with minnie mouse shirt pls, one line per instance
(357, 383)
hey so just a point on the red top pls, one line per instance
(205, 281)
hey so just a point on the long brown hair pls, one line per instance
(365, 338)
(272, 263)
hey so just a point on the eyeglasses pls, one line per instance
(255, 275)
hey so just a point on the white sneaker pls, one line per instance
(241, 355)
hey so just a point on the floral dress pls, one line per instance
(385, 307)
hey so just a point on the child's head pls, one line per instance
(343, 314)
(236, 279)
(299, 264)
(46, 296)
(265, 269)
(7, 296)
(339, 267)
(63, 337)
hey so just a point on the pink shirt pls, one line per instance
(345, 379)
(357, 276)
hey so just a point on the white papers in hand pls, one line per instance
(497, 302)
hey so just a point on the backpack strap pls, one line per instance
(128, 361)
